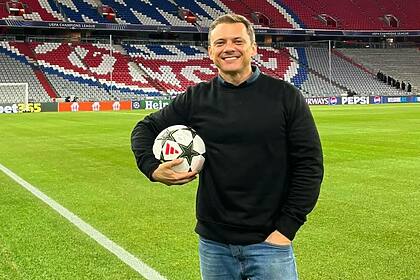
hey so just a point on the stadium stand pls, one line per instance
(203, 17)
(317, 86)
(402, 63)
(239, 8)
(87, 65)
(349, 14)
(25, 49)
(306, 16)
(81, 11)
(214, 8)
(47, 10)
(89, 62)
(69, 86)
(356, 15)
(274, 12)
(175, 67)
(132, 71)
(148, 13)
(15, 68)
(276, 62)
(346, 74)
(32, 10)
(171, 67)
(323, 14)
(311, 82)
(154, 69)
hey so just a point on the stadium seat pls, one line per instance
(134, 71)
(33, 10)
(81, 11)
(15, 68)
(402, 63)
(346, 74)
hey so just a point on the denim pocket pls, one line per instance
(288, 246)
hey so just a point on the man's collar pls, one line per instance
(254, 76)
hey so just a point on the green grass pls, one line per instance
(366, 224)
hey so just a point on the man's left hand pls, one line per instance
(277, 238)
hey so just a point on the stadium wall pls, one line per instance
(157, 104)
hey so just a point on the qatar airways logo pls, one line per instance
(317, 101)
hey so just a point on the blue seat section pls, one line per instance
(211, 4)
(291, 13)
(20, 58)
(188, 50)
(133, 50)
(92, 83)
(125, 13)
(140, 92)
(155, 50)
(166, 6)
(193, 7)
(302, 74)
(71, 77)
(146, 9)
(84, 9)
(159, 50)
(54, 6)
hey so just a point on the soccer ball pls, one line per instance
(180, 141)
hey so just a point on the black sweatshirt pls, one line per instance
(263, 165)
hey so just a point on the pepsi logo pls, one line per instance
(333, 100)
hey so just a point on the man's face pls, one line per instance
(231, 49)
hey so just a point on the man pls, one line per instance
(263, 166)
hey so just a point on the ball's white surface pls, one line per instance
(180, 141)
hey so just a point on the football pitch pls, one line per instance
(366, 224)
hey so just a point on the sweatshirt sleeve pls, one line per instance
(146, 130)
(305, 167)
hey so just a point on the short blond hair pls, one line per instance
(233, 18)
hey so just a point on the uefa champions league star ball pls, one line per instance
(180, 141)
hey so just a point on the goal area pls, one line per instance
(14, 93)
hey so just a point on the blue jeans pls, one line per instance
(261, 261)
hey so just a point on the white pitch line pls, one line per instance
(136, 264)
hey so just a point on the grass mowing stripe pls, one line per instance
(121, 253)
(7, 265)
(365, 226)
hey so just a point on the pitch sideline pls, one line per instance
(129, 259)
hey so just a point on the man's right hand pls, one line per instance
(167, 176)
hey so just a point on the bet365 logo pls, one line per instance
(30, 107)
(20, 108)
